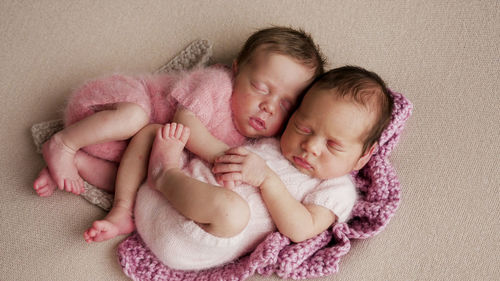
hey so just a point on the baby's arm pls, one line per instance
(201, 142)
(293, 219)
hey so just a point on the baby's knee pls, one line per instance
(233, 216)
(133, 112)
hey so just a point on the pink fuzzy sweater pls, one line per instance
(204, 91)
(379, 190)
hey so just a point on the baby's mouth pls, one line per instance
(257, 123)
(301, 162)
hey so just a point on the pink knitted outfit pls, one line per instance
(204, 91)
(181, 244)
(379, 196)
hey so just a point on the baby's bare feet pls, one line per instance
(118, 221)
(60, 162)
(44, 185)
(167, 150)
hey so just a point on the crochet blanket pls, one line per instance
(378, 186)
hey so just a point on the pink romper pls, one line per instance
(204, 91)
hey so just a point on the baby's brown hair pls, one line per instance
(286, 41)
(365, 88)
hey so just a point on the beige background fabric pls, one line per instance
(443, 55)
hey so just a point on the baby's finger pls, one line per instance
(226, 168)
(231, 177)
(239, 150)
(228, 184)
(218, 179)
(230, 158)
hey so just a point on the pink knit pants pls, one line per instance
(101, 94)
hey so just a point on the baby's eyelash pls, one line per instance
(259, 88)
(335, 146)
(303, 129)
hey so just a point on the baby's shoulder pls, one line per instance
(344, 184)
(346, 181)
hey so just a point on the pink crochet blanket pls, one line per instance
(379, 190)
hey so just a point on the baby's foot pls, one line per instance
(118, 221)
(167, 150)
(44, 185)
(60, 162)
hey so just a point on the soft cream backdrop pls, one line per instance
(443, 55)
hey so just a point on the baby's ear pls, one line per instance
(366, 157)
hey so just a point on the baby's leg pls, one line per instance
(132, 172)
(118, 221)
(120, 122)
(98, 172)
(218, 210)
(167, 149)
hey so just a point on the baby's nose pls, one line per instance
(312, 145)
(268, 106)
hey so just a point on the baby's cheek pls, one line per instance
(275, 129)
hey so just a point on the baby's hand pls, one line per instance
(227, 184)
(240, 165)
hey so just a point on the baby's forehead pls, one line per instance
(324, 106)
(265, 51)
(370, 97)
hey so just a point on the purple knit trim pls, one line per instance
(379, 190)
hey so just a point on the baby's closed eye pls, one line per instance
(302, 129)
(335, 146)
(260, 87)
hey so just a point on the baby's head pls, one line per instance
(272, 70)
(338, 124)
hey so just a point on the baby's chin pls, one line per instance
(304, 171)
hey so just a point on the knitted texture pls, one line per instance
(195, 54)
(379, 190)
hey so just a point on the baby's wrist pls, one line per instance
(269, 178)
